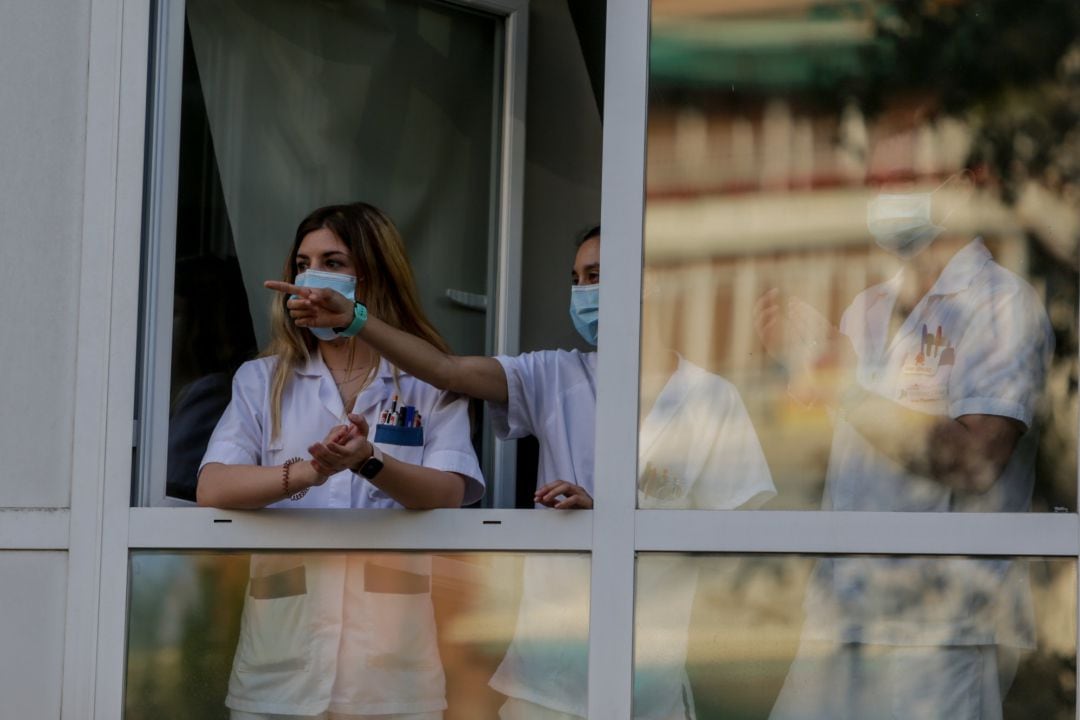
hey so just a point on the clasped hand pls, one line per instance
(344, 448)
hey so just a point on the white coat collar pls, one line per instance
(960, 271)
(328, 392)
(957, 276)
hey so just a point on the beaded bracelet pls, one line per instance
(285, 480)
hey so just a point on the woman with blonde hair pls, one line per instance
(321, 420)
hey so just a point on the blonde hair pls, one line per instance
(389, 289)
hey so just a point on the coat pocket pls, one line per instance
(398, 435)
(275, 632)
(405, 637)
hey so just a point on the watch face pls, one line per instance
(371, 467)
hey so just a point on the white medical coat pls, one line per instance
(990, 357)
(698, 450)
(347, 633)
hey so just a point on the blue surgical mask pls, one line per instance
(344, 284)
(585, 311)
(901, 222)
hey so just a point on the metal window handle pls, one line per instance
(467, 300)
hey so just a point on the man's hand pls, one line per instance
(828, 362)
(315, 307)
(819, 358)
(345, 447)
(573, 496)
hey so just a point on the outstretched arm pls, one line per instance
(476, 376)
(965, 453)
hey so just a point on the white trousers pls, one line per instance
(829, 681)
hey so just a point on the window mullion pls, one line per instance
(611, 616)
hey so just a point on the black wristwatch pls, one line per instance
(371, 467)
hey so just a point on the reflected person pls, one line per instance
(323, 421)
(698, 450)
(933, 379)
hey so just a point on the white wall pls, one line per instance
(44, 60)
(32, 594)
(44, 57)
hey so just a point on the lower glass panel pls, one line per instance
(854, 638)
(219, 634)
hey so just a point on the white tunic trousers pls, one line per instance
(346, 634)
(698, 449)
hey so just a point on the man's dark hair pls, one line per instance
(586, 234)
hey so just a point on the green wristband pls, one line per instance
(357, 324)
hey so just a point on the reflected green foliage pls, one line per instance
(183, 625)
(1011, 66)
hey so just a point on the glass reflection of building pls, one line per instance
(769, 127)
(771, 124)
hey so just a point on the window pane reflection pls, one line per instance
(215, 635)
(854, 638)
(863, 227)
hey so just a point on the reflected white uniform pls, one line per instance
(698, 450)
(330, 632)
(978, 343)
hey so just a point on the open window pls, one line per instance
(259, 115)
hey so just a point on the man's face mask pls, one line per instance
(585, 311)
(344, 284)
(901, 222)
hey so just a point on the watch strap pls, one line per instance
(360, 316)
(371, 466)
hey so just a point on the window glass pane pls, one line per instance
(854, 638)
(360, 633)
(861, 256)
(293, 106)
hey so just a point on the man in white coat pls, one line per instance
(932, 378)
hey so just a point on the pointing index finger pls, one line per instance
(284, 287)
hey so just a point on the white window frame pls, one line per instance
(101, 528)
(151, 430)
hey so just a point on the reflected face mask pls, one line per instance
(901, 224)
(585, 311)
(344, 284)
